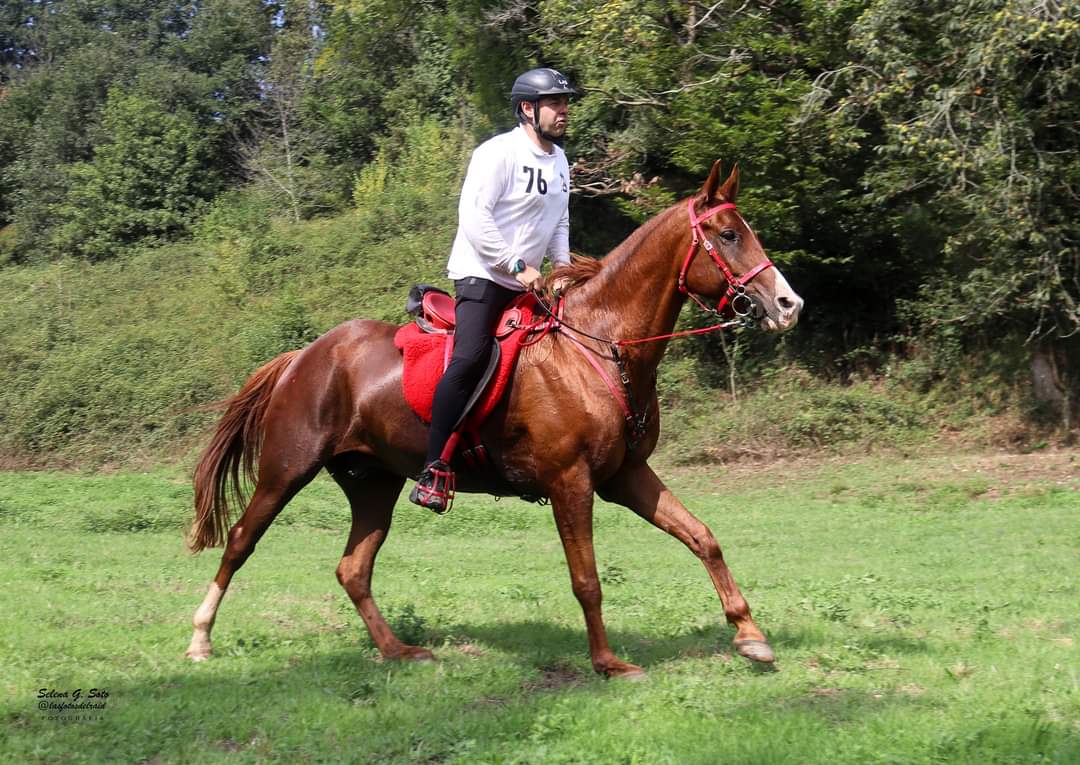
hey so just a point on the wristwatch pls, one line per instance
(518, 267)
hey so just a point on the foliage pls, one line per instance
(107, 363)
(63, 82)
(285, 146)
(387, 64)
(102, 362)
(416, 177)
(911, 167)
(147, 180)
(788, 411)
(976, 168)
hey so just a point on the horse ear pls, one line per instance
(730, 189)
(713, 183)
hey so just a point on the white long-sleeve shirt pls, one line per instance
(514, 204)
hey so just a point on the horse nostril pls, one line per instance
(785, 303)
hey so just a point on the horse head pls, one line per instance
(737, 272)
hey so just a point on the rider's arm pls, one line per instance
(485, 184)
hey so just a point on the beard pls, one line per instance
(553, 132)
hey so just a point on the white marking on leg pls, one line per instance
(200, 648)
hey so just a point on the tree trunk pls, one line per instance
(1055, 378)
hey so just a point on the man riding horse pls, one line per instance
(512, 214)
(580, 419)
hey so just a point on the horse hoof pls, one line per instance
(629, 672)
(197, 656)
(412, 653)
(755, 650)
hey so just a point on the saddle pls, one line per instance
(427, 345)
(434, 311)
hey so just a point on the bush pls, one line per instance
(789, 411)
(414, 182)
(147, 180)
(284, 326)
(862, 414)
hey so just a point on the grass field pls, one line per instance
(923, 610)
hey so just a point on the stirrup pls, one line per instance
(434, 488)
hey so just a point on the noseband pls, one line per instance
(735, 297)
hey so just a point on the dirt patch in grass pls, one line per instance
(554, 678)
(1004, 473)
(1062, 467)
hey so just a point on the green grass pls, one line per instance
(922, 611)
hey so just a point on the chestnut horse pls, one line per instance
(560, 432)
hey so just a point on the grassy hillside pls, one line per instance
(99, 361)
(103, 363)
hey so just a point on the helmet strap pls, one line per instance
(557, 140)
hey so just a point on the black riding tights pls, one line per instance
(480, 303)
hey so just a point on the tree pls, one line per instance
(669, 86)
(147, 179)
(199, 62)
(978, 106)
(284, 143)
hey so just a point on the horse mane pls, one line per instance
(579, 270)
(582, 268)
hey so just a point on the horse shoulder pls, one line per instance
(559, 407)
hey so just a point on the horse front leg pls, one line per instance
(639, 489)
(572, 505)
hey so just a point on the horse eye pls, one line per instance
(728, 235)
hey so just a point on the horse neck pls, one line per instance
(634, 293)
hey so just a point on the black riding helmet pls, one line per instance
(534, 85)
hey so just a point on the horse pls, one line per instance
(560, 432)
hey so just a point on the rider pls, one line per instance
(512, 213)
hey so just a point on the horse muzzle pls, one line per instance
(779, 311)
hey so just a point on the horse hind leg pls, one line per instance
(272, 492)
(372, 493)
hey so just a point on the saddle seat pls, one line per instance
(438, 308)
(438, 312)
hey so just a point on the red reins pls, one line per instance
(736, 289)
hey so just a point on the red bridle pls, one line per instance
(638, 421)
(736, 284)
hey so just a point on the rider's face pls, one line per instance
(553, 115)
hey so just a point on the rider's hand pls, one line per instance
(559, 285)
(530, 279)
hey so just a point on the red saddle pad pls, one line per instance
(425, 357)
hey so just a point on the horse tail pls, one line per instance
(235, 447)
